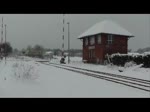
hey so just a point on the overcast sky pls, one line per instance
(46, 29)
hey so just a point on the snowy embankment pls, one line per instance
(133, 71)
(27, 78)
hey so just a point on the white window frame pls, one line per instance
(92, 40)
(99, 39)
(110, 39)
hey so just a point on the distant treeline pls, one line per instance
(73, 52)
(142, 50)
(39, 51)
(5, 48)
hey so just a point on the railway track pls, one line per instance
(110, 74)
(137, 83)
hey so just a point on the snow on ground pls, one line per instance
(134, 71)
(49, 81)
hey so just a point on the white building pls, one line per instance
(48, 55)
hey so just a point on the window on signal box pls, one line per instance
(92, 40)
(86, 41)
(99, 39)
(110, 39)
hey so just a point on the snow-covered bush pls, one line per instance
(129, 64)
(122, 59)
(24, 71)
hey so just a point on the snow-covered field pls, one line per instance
(24, 77)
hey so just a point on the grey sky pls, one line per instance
(46, 29)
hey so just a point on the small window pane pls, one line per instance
(86, 41)
(110, 39)
(92, 40)
(99, 39)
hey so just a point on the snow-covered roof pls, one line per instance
(106, 26)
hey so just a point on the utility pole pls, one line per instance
(63, 37)
(1, 49)
(2, 32)
(5, 43)
(68, 42)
